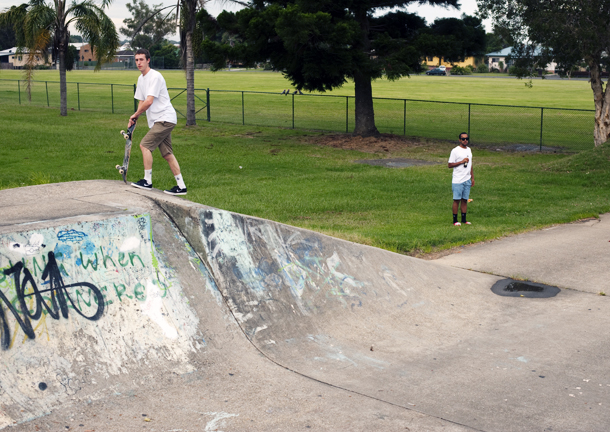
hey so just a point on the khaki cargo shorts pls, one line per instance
(160, 135)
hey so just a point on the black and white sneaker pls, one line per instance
(176, 191)
(142, 184)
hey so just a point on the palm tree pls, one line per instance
(188, 20)
(39, 25)
(187, 13)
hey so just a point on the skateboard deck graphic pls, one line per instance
(127, 135)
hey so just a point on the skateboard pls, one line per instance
(127, 135)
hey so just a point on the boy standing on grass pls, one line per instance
(154, 99)
(463, 177)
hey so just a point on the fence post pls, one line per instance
(293, 110)
(541, 123)
(46, 84)
(78, 94)
(346, 114)
(135, 103)
(19, 90)
(207, 97)
(243, 110)
(112, 96)
(404, 126)
(468, 119)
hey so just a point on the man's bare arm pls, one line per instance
(142, 107)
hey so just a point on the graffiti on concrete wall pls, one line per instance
(58, 297)
(81, 270)
(82, 302)
(268, 257)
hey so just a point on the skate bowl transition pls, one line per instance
(133, 310)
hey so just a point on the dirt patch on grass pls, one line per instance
(383, 143)
(390, 144)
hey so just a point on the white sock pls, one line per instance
(180, 182)
(148, 176)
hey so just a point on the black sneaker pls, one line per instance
(142, 184)
(176, 191)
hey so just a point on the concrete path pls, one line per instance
(574, 256)
(132, 310)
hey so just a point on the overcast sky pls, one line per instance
(118, 11)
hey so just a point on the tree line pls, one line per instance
(320, 45)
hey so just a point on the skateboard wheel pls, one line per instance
(118, 166)
(121, 171)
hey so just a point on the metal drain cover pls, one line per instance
(516, 288)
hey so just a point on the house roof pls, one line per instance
(502, 53)
(9, 51)
(507, 51)
(13, 51)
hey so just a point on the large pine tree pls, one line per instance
(321, 44)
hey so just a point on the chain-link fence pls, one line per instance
(487, 124)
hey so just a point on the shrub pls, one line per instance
(482, 68)
(458, 70)
(471, 67)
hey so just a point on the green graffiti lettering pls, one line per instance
(63, 270)
(106, 258)
(162, 286)
(140, 292)
(120, 291)
(89, 262)
(79, 296)
(121, 257)
(133, 255)
(104, 290)
(37, 266)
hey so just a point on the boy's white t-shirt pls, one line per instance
(153, 84)
(461, 173)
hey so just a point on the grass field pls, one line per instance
(574, 94)
(232, 100)
(280, 174)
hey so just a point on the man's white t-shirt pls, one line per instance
(153, 84)
(461, 173)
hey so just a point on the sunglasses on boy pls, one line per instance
(464, 139)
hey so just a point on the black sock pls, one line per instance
(463, 217)
(454, 218)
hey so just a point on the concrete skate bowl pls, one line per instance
(143, 293)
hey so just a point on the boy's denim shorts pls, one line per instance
(461, 190)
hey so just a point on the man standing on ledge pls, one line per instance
(463, 177)
(154, 100)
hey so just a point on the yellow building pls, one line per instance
(433, 62)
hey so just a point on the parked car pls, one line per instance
(437, 71)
